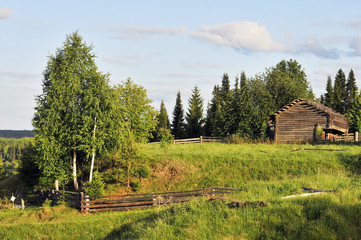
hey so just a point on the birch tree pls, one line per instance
(73, 115)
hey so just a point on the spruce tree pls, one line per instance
(226, 107)
(354, 114)
(339, 90)
(329, 95)
(162, 121)
(234, 109)
(177, 126)
(194, 116)
(246, 108)
(214, 120)
(351, 90)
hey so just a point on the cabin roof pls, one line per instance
(318, 106)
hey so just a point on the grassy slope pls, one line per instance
(264, 172)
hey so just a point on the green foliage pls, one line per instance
(194, 116)
(137, 112)
(76, 100)
(244, 110)
(339, 89)
(29, 168)
(166, 140)
(143, 171)
(135, 185)
(162, 121)
(214, 125)
(329, 95)
(351, 90)
(318, 132)
(354, 115)
(287, 82)
(11, 152)
(177, 127)
(96, 187)
(46, 204)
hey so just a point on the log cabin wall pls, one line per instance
(297, 124)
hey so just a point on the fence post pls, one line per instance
(22, 204)
(201, 139)
(213, 192)
(356, 136)
(84, 198)
(154, 199)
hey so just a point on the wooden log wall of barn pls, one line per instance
(297, 124)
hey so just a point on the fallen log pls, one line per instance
(234, 203)
(312, 190)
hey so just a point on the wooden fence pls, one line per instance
(73, 199)
(139, 201)
(201, 139)
(349, 137)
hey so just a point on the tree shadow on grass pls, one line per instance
(134, 229)
(351, 162)
(320, 218)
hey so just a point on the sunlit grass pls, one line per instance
(264, 173)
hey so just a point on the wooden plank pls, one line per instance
(117, 204)
(116, 209)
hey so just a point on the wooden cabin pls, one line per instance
(306, 121)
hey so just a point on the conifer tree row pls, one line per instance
(343, 97)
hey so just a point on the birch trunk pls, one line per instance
(93, 154)
(76, 186)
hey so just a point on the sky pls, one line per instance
(170, 46)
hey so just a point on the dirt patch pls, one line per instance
(167, 174)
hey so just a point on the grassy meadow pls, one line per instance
(264, 172)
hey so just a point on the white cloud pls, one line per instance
(133, 32)
(5, 13)
(239, 35)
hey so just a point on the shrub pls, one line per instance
(135, 185)
(96, 187)
(142, 171)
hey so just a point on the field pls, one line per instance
(264, 172)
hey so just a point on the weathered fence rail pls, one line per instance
(138, 201)
(73, 199)
(201, 139)
(349, 137)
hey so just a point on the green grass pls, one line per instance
(264, 172)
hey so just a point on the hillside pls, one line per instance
(263, 172)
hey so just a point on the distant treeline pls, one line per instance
(11, 151)
(16, 133)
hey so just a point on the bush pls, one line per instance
(96, 187)
(135, 185)
(142, 171)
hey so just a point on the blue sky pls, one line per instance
(167, 46)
